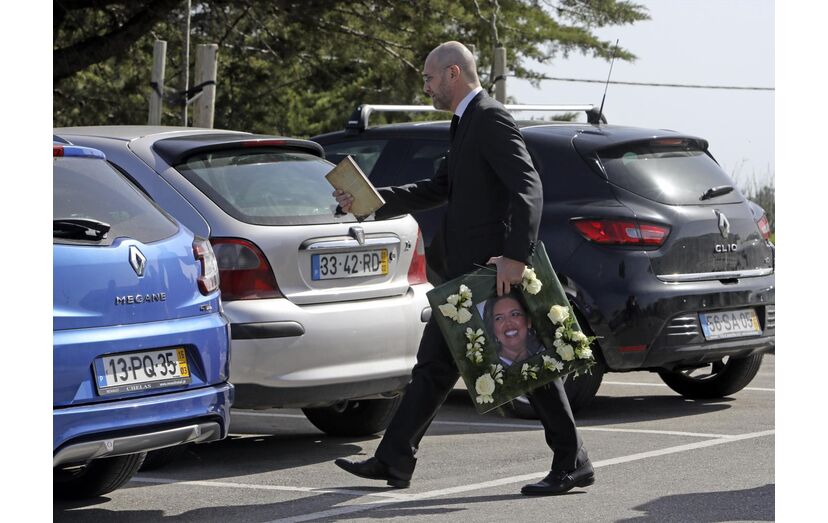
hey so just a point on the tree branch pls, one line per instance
(70, 60)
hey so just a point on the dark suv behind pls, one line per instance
(662, 258)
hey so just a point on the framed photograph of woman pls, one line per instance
(506, 346)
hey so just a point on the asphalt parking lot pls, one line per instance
(657, 457)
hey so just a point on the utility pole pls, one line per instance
(156, 101)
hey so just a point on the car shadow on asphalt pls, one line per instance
(756, 504)
(283, 509)
(607, 410)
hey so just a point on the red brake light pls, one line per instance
(764, 226)
(245, 273)
(621, 232)
(57, 150)
(417, 269)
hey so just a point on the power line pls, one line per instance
(688, 86)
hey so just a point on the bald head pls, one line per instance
(455, 53)
(449, 74)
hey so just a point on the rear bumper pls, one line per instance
(121, 445)
(141, 423)
(644, 323)
(290, 355)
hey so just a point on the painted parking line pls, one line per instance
(280, 488)
(341, 511)
(534, 426)
(641, 384)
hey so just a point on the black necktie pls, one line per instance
(453, 129)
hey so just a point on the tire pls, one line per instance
(158, 458)
(716, 380)
(354, 417)
(100, 476)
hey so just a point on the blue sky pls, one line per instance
(698, 42)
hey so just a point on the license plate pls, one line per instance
(138, 371)
(349, 264)
(730, 324)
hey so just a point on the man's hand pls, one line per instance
(509, 272)
(344, 199)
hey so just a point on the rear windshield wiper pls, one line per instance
(79, 229)
(716, 191)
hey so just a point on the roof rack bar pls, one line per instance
(358, 121)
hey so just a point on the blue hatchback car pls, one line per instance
(140, 342)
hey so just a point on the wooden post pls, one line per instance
(156, 100)
(500, 74)
(205, 71)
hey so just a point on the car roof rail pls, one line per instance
(358, 121)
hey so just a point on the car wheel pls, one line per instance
(354, 417)
(158, 458)
(99, 476)
(715, 380)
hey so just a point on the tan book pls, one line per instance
(348, 177)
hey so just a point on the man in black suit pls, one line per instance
(494, 198)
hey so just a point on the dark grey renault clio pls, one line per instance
(661, 256)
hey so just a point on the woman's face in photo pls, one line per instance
(510, 324)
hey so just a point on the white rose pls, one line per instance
(453, 299)
(578, 336)
(448, 310)
(463, 315)
(533, 286)
(485, 385)
(566, 352)
(466, 303)
(559, 332)
(558, 314)
(584, 352)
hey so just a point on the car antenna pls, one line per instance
(601, 110)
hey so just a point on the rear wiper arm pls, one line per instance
(716, 191)
(79, 228)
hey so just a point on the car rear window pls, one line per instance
(365, 154)
(674, 172)
(265, 187)
(84, 188)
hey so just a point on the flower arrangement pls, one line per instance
(556, 346)
(457, 306)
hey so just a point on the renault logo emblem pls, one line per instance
(137, 260)
(358, 233)
(724, 225)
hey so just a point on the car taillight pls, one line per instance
(764, 226)
(208, 280)
(417, 269)
(621, 232)
(244, 270)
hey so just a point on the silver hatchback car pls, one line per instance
(326, 312)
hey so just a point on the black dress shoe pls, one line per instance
(558, 482)
(372, 468)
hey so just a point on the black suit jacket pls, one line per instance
(493, 192)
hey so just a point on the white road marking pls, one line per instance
(393, 497)
(516, 479)
(640, 384)
(281, 488)
(536, 426)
